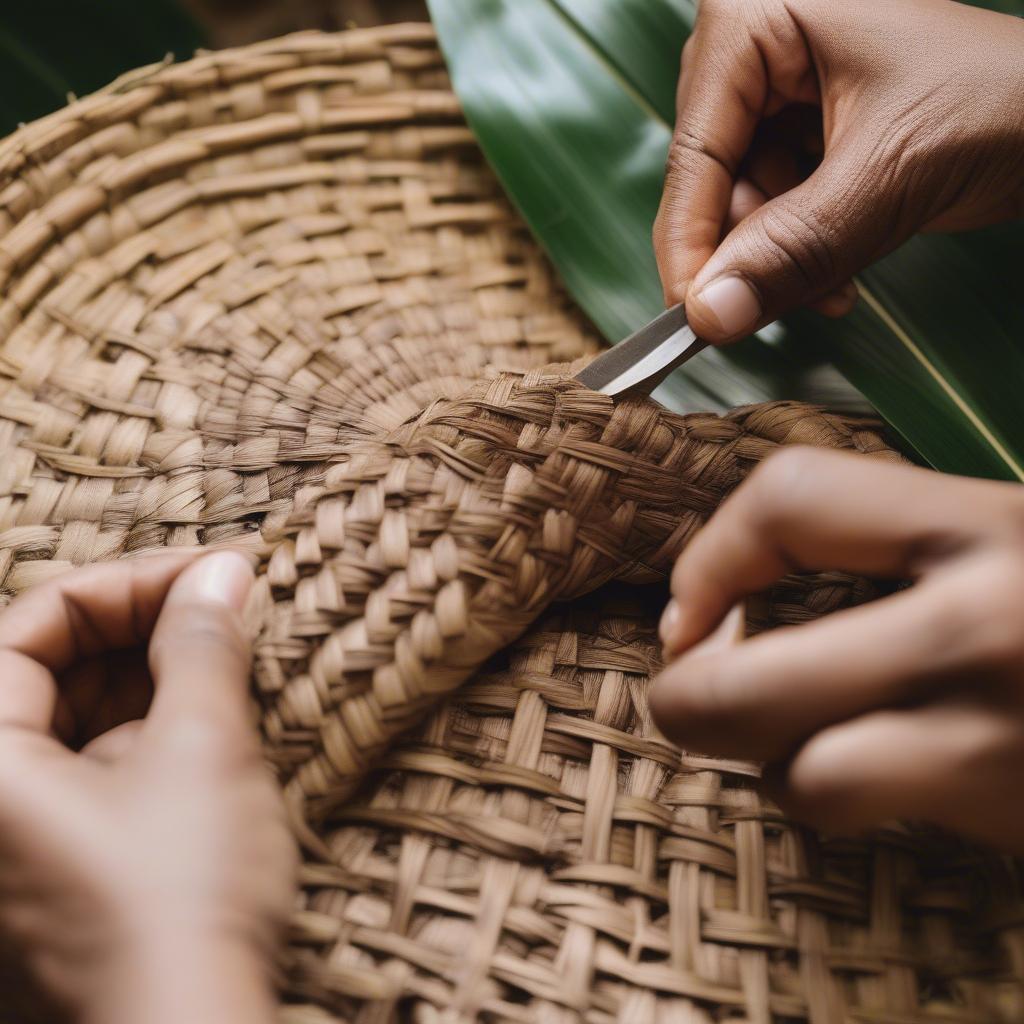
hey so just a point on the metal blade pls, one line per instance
(641, 362)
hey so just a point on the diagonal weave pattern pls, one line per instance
(430, 548)
(273, 298)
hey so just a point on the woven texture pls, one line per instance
(539, 853)
(424, 552)
(273, 298)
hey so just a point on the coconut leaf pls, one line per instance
(572, 102)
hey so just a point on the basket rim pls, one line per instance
(21, 146)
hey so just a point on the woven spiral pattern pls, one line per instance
(297, 238)
(273, 298)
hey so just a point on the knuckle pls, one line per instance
(955, 627)
(679, 164)
(684, 144)
(202, 745)
(781, 482)
(973, 618)
(203, 631)
(193, 737)
(800, 247)
(990, 624)
(690, 703)
(688, 154)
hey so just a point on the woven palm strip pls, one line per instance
(215, 274)
(273, 298)
(539, 853)
(245, 297)
(428, 549)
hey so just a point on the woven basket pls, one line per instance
(272, 297)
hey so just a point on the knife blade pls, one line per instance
(638, 364)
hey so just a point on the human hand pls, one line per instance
(145, 876)
(911, 706)
(921, 123)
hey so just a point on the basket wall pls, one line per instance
(273, 298)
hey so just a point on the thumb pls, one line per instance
(199, 654)
(795, 249)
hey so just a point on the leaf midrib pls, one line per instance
(969, 413)
(602, 55)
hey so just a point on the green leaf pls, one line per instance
(631, 34)
(50, 48)
(1015, 7)
(572, 102)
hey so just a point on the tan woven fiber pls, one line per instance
(223, 276)
(538, 853)
(273, 298)
(424, 552)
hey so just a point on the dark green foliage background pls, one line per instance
(50, 48)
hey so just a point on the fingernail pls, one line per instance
(221, 578)
(669, 625)
(730, 631)
(732, 303)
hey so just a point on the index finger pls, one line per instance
(87, 611)
(761, 698)
(808, 510)
(721, 95)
